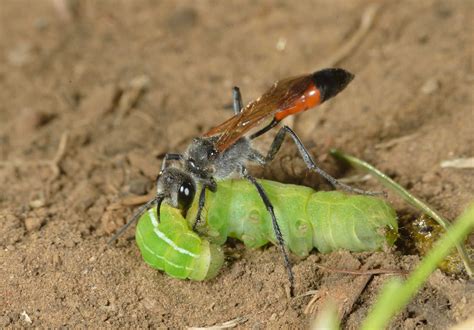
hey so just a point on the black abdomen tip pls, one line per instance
(330, 82)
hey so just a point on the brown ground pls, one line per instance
(78, 80)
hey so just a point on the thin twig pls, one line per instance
(52, 163)
(131, 201)
(346, 49)
(391, 143)
(363, 272)
(355, 179)
(310, 307)
(137, 200)
(458, 163)
(347, 300)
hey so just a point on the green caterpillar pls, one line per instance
(171, 246)
(308, 219)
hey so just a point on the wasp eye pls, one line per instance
(186, 195)
(212, 153)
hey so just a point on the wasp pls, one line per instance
(225, 150)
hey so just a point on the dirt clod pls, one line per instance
(139, 186)
(33, 223)
(100, 101)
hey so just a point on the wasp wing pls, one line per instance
(284, 98)
(277, 99)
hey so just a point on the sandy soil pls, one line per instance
(93, 96)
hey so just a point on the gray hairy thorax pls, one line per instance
(204, 164)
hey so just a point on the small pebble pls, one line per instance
(33, 224)
(111, 220)
(103, 302)
(430, 86)
(69, 243)
(25, 317)
(37, 203)
(281, 44)
(139, 186)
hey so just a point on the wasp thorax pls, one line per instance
(177, 188)
(200, 154)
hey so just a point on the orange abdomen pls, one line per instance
(310, 98)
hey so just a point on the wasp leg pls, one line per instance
(272, 124)
(159, 200)
(212, 186)
(202, 200)
(237, 100)
(169, 157)
(276, 227)
(277, 142)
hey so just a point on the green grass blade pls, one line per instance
(327, 318)
(412, 200)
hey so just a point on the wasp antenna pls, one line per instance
(330, 82)
(135, 217)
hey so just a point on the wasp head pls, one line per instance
(176, 188)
